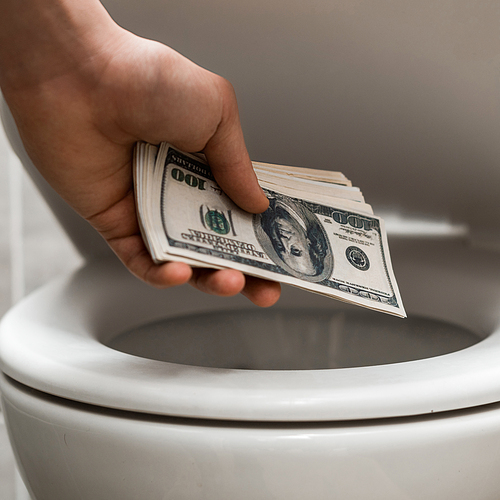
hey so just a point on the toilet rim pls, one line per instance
(49, 342)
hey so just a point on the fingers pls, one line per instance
(134, 255)
(261, 292)
(229, 282)
(228, 157)
(225, 283)
(167, 275)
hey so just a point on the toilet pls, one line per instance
(115, 390)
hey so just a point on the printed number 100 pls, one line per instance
(189, 179)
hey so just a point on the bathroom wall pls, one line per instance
(6, 460)
(33, 250)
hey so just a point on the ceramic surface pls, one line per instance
(56, 341)
(272, 433)
(70, 450)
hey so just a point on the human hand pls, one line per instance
(83, 104)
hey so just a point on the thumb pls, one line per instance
(228, 157)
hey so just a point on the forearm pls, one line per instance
(43, 39)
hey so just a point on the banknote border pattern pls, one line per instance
(319, 209)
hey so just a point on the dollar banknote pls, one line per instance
(317, 234)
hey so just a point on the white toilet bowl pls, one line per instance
(264, 414)
(113, 390)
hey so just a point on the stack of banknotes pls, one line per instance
(317, 234)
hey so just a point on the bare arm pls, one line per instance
(83, 90)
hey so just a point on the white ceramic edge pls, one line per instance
(46, 343)
(59, 446)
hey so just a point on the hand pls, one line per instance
(92, 98)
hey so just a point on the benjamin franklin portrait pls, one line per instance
(294, 239)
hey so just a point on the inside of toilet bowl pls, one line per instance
(284, 339)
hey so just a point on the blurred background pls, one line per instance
(33, 249)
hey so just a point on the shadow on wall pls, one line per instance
(39, 238)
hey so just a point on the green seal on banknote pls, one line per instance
(217, 222)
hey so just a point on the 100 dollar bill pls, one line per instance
(325, 249)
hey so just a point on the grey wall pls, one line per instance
(46, 251)
(43, 253)
(403, 96)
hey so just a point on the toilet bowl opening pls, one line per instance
(285, 339)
